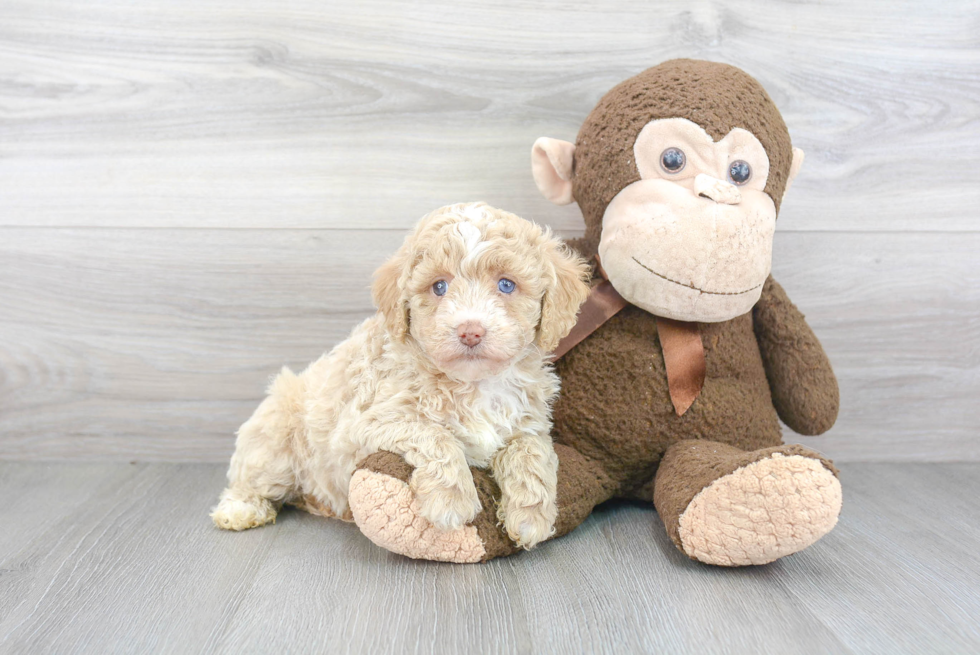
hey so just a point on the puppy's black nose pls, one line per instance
(470, 333)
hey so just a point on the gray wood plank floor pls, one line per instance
(104, 558)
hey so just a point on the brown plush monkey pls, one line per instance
(688, 352)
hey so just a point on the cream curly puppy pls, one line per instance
(453, 371)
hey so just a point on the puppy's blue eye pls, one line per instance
(505, 285)
(739, 172)
(440, 287)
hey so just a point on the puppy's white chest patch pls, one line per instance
(491, 420)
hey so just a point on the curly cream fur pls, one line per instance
(404, 382)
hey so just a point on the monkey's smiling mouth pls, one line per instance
(691, 286)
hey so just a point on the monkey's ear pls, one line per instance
(388, 291)
(551, 164)
(794, 168)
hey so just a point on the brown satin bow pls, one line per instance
(680, 341)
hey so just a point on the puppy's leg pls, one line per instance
(442, 482)
(527, 471)
(241, 509)
(261, 475)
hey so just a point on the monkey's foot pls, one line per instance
(764, 505)
(386, 511)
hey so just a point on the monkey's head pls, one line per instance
(679, 173)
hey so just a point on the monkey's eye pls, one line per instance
(739, 172)
(673, 160)
(440, 288)
(506, 286)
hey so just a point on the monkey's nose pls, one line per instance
(717, 190)
(470, 333)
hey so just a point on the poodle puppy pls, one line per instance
(452, 372)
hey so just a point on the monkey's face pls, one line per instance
(692, 238)
(689, 235)
(679, 172)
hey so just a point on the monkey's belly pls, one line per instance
(615, 405)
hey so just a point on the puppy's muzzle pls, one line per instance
(470, 333)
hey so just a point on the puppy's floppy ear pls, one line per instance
(567, 289)
(388, 290)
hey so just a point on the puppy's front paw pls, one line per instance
(529, 526)
(446, 507)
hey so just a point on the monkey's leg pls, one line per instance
(387, 513)
(729, 507)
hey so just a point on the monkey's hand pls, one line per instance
(804, 389)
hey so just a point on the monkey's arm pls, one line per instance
(804, 389)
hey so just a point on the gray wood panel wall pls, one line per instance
(193, 194)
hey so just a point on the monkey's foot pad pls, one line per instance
(386, 511)
(761, 512)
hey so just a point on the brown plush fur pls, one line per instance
(804, 389)
(631, 429)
